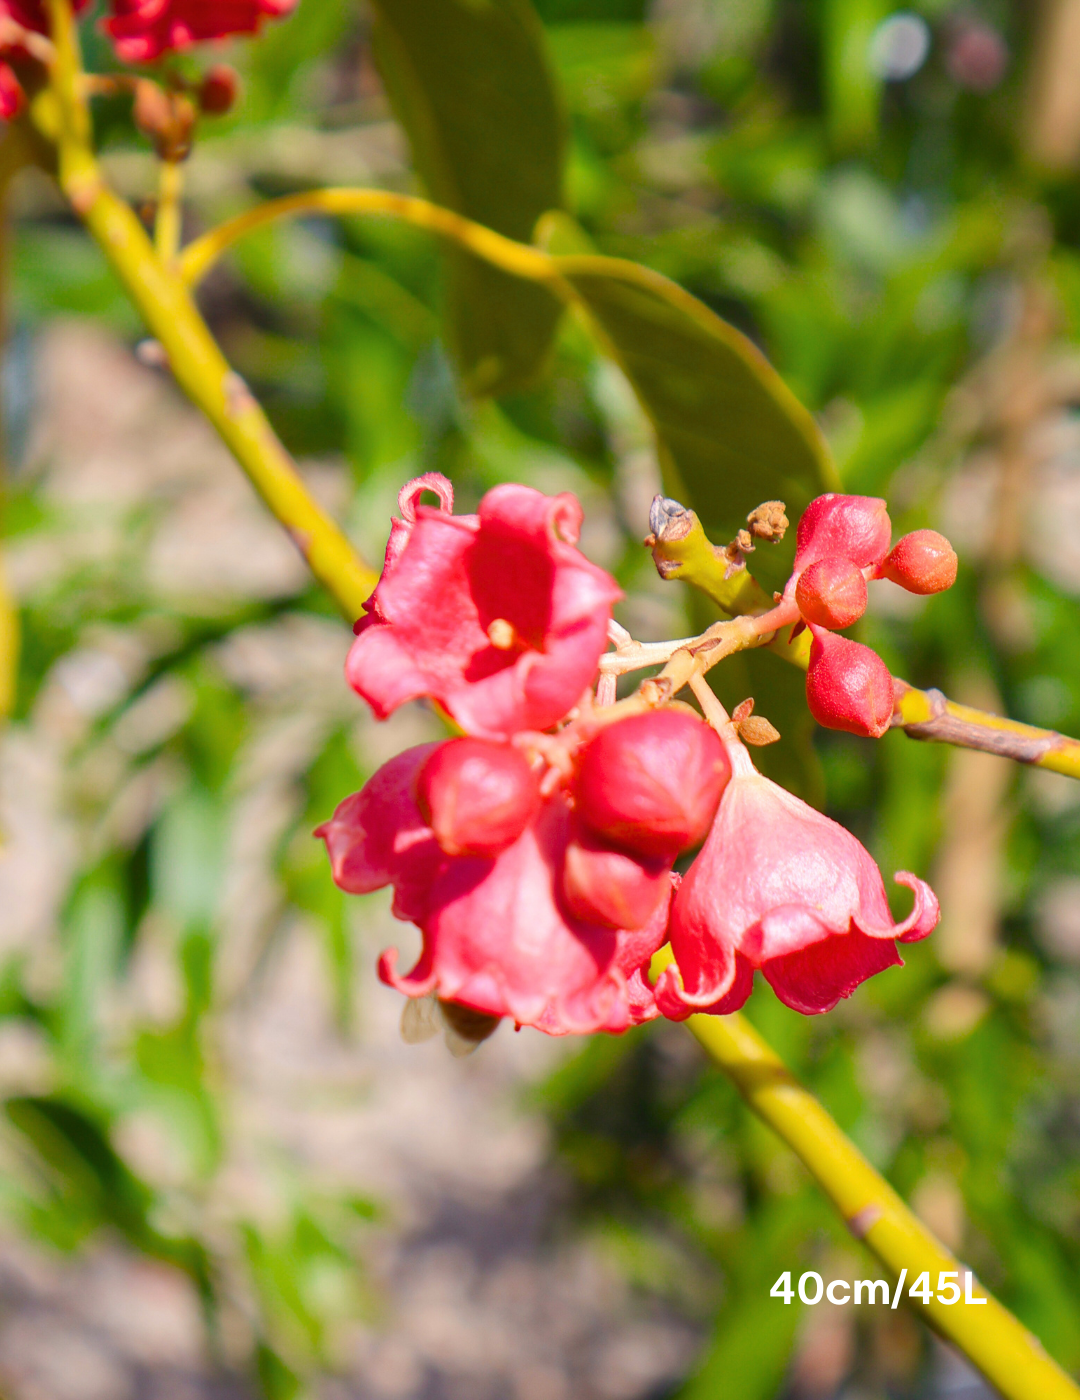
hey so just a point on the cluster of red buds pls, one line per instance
(536, 852)
(142, 31)
(842, 542)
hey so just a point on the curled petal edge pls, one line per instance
(676, 1004)
(921, 921)
(417, 983)
(409, 495)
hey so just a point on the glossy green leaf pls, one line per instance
(731, 434)
(470, 82)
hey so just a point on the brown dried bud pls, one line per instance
(743, 710)
(167, 118)
(768, 521)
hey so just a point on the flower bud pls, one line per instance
(847, 527)
(922, 562)
(166, 117)
(12, 97)
(602, 885)
(831, 592)
(652, 782)
(477, 796)
(848, 686)
(219, 90)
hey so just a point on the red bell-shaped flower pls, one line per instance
(831, 592)
(856, 528)
(780, 888)
(496, 615)
(498, 936)
(848, 686)
(922, 562)
(477, 796)
(652, 782)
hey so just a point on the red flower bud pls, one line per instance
(219, 90)
(602, 885)
(847, 527)
(477, 796)
(848, 686)
(922, 562)
(652, 782)
(831, 592)
(12, 97)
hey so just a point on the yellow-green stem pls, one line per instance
(1003, 1350)
(200, 368)
(168, 219)
(927, 714)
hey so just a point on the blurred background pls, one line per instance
(222, 1173)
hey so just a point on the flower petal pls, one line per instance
(815, 978)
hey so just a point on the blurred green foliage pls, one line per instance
(877, 239)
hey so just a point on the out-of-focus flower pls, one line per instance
(12, 96)
(848, 686)
(651, 782)
(496, 615)
(780, 888)
(899, 46)
(977, 56)
(499, 936)
(856, 528)
(922, 562)
(143, 30)
(831, 593)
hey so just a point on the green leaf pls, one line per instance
(731, 434)
(470, 82)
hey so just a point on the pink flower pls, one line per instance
(780, 888)
(143, 30)
(498, 935)
(496, 615)
(12, 96)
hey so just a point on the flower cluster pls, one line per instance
(141, 31)
(842, 542)
(536, 852)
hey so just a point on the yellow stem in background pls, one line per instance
(9, 648)
(516, 258)
(1003, 1350)
(200, 368)
(168, 220)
